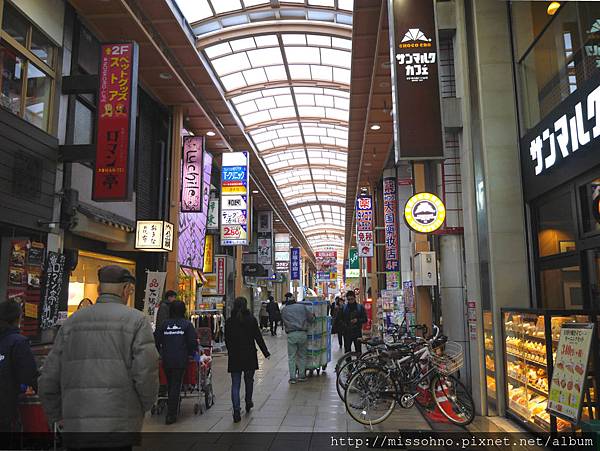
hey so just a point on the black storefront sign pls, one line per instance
(565, 144)
(254, 270)
(417, 110)
(54, 289)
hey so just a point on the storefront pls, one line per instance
(558, 83)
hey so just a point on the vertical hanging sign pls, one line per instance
(353, 270)
(191, 176)
(234, 199)
(390, 213)
(416, 97)
(295, 264)
(364, 226)
(116, 119)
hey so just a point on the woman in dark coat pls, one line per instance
(241, 334)
(337, 320)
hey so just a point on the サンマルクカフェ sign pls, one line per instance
(116, 121)
(414, 65)
(563, 145)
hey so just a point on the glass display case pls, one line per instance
(490, 362)
(530, 341)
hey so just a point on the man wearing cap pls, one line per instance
(102, 373)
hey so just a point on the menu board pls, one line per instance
(570, 370)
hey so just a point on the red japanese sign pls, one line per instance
(117, 108)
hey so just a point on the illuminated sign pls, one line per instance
(154, 236)
(116, 120)
(234, 199)
(392, 262)
(295, 264)
(364, 226)
(424, 213)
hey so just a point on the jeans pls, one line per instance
(273, 325)
(174, 380)
(297, 344)
(236, 384)
(348, 340)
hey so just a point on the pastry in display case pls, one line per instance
(490, 361)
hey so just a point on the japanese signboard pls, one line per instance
(390, 213)
(364, 226)
(191, 176)
(265, 221)
(265, 248)
(220, 261)
(326, 265)
(212, 221)
(295, 264)
(570, 371)
(155, 282)
(353, 270)
(208, 254)
(424, 213)
(116, 122)
(282, 247)
(234, 199)
(54, 288)
(154, 236)
(282, 266)
(416, 101)
(562, 146)
(192, 226)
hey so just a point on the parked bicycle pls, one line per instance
(418, 371)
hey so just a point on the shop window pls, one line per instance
(83, 282)
(556, 226)
(83, 130)
(27, 58)
(590, 206)
(561, 288)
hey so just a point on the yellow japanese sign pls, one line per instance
(424, 213)
(31, 310)
(233, 189)
(208, 254)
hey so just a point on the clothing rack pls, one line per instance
(213, 320)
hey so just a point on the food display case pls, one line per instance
(530, 342)
(490, 360)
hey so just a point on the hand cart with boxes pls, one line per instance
(319, 336)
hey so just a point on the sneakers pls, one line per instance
(249, 405)
(301, 379)
(292, 381)
(237, 417)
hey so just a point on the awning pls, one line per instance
(106, 217)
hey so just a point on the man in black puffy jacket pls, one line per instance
(17, 365)
(176, 341)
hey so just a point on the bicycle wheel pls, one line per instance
(353, 355)
(349, 368)
(453, 399)
(370, 397)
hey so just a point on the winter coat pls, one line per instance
(17, 366)
(176, 341)
(163, 314)
(240, 338)
(102, 373)
(348, 314)
(273, 311)
(337, 319)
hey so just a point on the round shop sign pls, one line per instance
(424, 212)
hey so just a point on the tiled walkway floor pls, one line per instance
(279, 406)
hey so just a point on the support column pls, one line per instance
(174, 188)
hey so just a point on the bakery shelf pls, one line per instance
(529, 361)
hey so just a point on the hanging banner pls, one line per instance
(570, 371)
(353, 270)
(53, 289)
(295, 264)
(212, 222)
(265, 221)
(191, 174)
(220, 262)
(390, 213)
(326, 265)
(282, 247)
(116, 122)
(265, 248)
(364, 226)
(155, 282)
(208, 254)
(234, 199)
(416, 100)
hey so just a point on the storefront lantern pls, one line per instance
(424, 213)
(154, 236)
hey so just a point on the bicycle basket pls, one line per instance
(447, 358)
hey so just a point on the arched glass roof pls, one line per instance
(291, 93)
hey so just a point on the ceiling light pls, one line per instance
(210, 133)
(375, 127)
(165, 75)
(278, 220)
(553, 7)
(255, 191)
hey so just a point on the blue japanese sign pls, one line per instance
(234, 174)
(295, 264)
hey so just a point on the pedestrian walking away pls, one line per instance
(176, 341)
(274, 315)
(354, 316)
(164, 309)
(296, 318)
(242, 334)
(102, 373)
(17, 368)
(337, 320)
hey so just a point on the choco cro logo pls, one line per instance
(424, 213)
